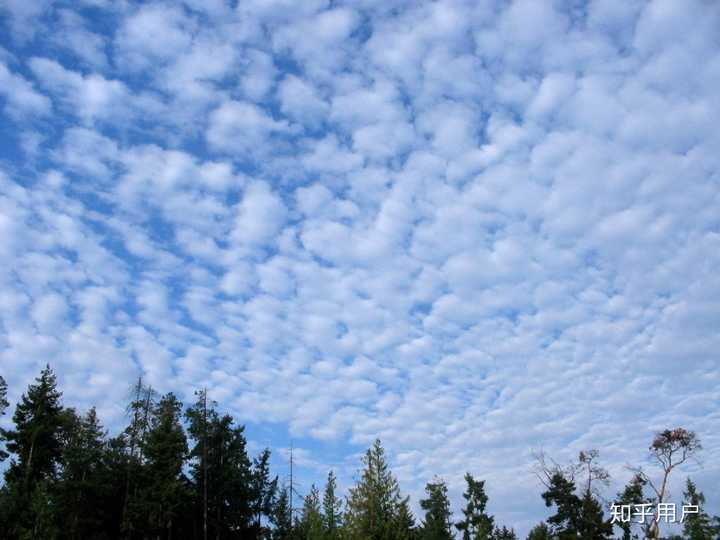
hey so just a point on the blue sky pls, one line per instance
(472, 229)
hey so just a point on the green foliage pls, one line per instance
(281, 517)
(476, 523)
(3, 405)
(374, 503)
(332, 509)
(35, 441)
(165, 449)
(503, 533)
(220, 470)
(698, 526)
(632, 494)
(311, 521)
(436, 525)
(539, 532)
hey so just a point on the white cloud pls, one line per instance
(20, 96)
(471, 229)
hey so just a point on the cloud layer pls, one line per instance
(472, 229)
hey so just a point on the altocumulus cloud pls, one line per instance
(469, 228)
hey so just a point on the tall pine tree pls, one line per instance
(698, 525)
(436, 525)
(311, 519)
(3, 405)
(476, 523)
(36, 449)
(374, 503)
(332, 509)
(165, 449)
(82, 485)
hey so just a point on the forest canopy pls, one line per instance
(179, 471)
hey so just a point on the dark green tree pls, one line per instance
(130, 445)
(165, 449)
(3, 405)
(405, 528)
(577, 515)
(35, 441)
(560, 493)
(436, 525)
(36, 448)
(698, 525)
(281, 517)
(592, 524)
(332, 509)
(503, 533)
(264, 495)
(632, 494)
(221, 472)
(374, 502)
(82, 484)
(311, 520)
(539, 532)
(476, 523)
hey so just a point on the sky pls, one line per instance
(472, 229)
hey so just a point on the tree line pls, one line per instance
(185, 473)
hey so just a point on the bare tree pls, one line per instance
(546, 467)
(670, 449)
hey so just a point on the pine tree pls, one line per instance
(561, 493)
(3, 405)
(405, 528)
(374, 503)
(476, 524)
(503, 533)
(698, 526)
(281, 517)
(436, 525)
(35, 441)
(632, 494)
(264, 495)
(35, 444)
(332, 509)
(131, 444)
(592, 524)
(539, 532)
(311, 520)
(165, 448)
(220, 470)
(82, 482)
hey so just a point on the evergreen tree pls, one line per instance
(81, 488)
(539, 532)
(592, 524)
(35, 447)
(504, 533)
(264, 496)
(561, 493)
(3, 405)
(130, 446)
(436, 525)
(35, 441)
(281, 517)
(165, 449)
(311, 520)
(476, 523)
(374, 503)
(221, 472)
(332, 509)
(405, 528)
(698, 526)
(632, 494)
